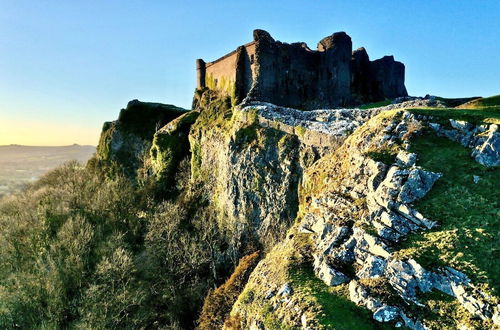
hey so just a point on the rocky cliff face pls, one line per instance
(356, 207)
(351, 206)
(125, 143)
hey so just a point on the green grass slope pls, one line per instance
(492, 101)
(468, 212)
(335, 310)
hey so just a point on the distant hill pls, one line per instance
(24, 164)
(492, 101)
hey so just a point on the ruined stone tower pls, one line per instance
(295, 76)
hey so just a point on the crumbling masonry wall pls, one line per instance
(231, 74)
(295, 76)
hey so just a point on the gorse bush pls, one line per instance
(79, 250)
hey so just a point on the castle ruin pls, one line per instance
(295, 76)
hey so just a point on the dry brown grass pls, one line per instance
(219, 302)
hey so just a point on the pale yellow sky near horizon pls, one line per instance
(39, 133)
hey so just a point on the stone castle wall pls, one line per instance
(295, 76)
(231, 74)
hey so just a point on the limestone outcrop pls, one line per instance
(484, 140)
(354, 212)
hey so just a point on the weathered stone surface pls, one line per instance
(285, 290)
(373, 267)
(496, 315)
(334, 238)
(126, 142)
(484, 142)
(397, 223)
(170, 145)
(414, 216)
(330, 275)
(358, 218)
(296, 76)
(359, 295)
(406, 159)
(461, 125)
(417, 185)
(412, 324)
(488, 153)
(325, 127)
(386, 313)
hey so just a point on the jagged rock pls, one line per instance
(303, 321)
(371, 195)
(377, 171)
(423, 277)
(461, 125)
(406, 159)
(401, 276)
(488, 153)
(329, 275)
(334, 123)
(397, 223)
(418, 184)
(271, 293)
(442, 283)
(359, 295)
(170, 145)
(376, 247)
(373, 267)
(386, 313)
(456, 276)
(343, 255)
(334, 238)
(496, 315)
(472, 304)
(412, 324)
(461, 136)
(486, 148)
(390, 187)
(126, 141)
(285, 290)
(305, 230)
(386, 233)
(414, 216)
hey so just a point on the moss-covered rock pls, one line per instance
(145, 118)
(124, 143)
(251, 171)
(170, 145)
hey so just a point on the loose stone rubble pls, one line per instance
(334, 122)
(483, 140)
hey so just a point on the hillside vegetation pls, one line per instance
(262, 217)
(80, 250)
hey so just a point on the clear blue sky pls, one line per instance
(68, 66)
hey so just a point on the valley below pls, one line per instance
(21, 165)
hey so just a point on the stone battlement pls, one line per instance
(293, 75)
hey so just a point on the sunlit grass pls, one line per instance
(468, 214)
